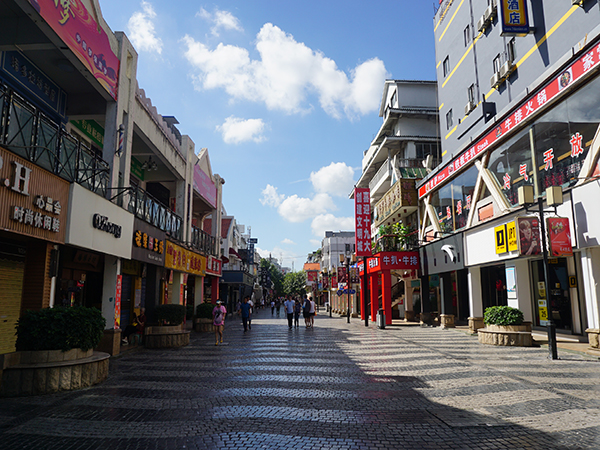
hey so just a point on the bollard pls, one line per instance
(381, 319)
(552, 350)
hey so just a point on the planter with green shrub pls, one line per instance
(169, 332)
(204, 321)
(55, 352)
(505, 326)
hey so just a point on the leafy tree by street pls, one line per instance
(275, 274)
(294, 283)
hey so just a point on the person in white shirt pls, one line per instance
(289, 310)
(313, 311)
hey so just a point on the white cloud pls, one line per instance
(220, 20)
(315, 242)
(286, 73)
(235, 130)
(271, 197)
(328, 222)
(288, 242)
(141, 30)
(335, 179)
(282, 256)
(298, 209)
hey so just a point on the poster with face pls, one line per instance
(529, 236)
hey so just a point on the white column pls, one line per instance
(523, 300)
(112, 268)
(591, 276)
(475, 299)
(198, 292)
(175, 297)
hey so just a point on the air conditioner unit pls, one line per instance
(506, 69)
(481, 24)
(469, 107)
(495, 80)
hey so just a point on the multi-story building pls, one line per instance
(404, 149)
(518, 91)
(97, 213)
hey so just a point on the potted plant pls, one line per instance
(55, 352)
(169, 332)
(505, 326)
(204, 321)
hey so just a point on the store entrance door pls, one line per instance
(493, 286)
(559, 304)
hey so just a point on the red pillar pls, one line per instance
(386, 295)
(214, 289)
(374, 294)
(362, 298)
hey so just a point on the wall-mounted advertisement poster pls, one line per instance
(529, 236)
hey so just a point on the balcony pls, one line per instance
(382, 181)
(29, 133)
(145, 207)
(203, 241)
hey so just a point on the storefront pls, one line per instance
(211, 281)
(185, 271)
(33, 210)
(98, 239)
(443, 266)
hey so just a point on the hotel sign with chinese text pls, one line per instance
(513, 17)
(362, 209)
(391, 261)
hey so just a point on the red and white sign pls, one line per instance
(559, 234)
(213, 266)
(362, 209)
(391, 261)
(535, 102)
(118, 302)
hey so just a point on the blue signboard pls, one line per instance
(514, 18)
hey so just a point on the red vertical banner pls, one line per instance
(334, 281)
(559, 234)
(118, 302)
(362, 215)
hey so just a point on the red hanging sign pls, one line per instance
(559, 234)
(362, 209)
(118, 302)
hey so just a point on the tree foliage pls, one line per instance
(275, 274)
(294, 283)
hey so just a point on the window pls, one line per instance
(467, 35)
(446, 66)
(471, 94)
(497, 63)
(393, 100)
(511, 51)
(449, 120)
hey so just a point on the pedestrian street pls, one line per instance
(335, 386)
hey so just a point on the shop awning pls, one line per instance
(224, 259)
(233, 252)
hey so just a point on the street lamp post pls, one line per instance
(554, 198)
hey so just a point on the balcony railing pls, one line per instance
(29, 133)
(384, 169)
(203, 241)
(145, 207)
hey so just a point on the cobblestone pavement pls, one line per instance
(336, 386)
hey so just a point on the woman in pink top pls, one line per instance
(219, 313)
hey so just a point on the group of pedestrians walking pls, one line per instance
(293, 308)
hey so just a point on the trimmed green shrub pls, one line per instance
(204, 310)
(60, 329)
(503, 315)
(169, 314)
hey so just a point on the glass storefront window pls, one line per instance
(454, 200)
(511, 164)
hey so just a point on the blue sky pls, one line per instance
(285, 96)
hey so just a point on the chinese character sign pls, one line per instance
(362, 203)
(559, 234)
(515, 21)
(118, 302)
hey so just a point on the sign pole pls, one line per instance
(551, 327)
(366, 291)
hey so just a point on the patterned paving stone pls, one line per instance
(336, 386)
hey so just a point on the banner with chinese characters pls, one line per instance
(33, 202)
(183, 260)
(148, 243)
(534, 103)
(213, 266)
(559, 236)
(514, 19)
(362, 209)
(401, 195)
(391, 261)
(78, 29)
(118, 302)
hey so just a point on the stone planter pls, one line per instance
(409, 316)
(203, 325)
(447, 321)
(506, 335)
(47, 371)
(593, 337)
(166, 336)
(475, 323)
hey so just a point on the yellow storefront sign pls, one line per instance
(511, 237)
(500, 233)
(543, 312)
(183, 260)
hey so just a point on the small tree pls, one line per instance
(294, 283)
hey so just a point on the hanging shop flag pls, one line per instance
(529, 236)
(362, 208)
(515, 21)
(559, 234)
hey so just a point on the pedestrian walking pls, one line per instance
(272, 308)
(278, 306)
(297, 310)
(289, 310)
(219, 313)
(251, 303)
(313, 312)
(306, 311)
(245, 313)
